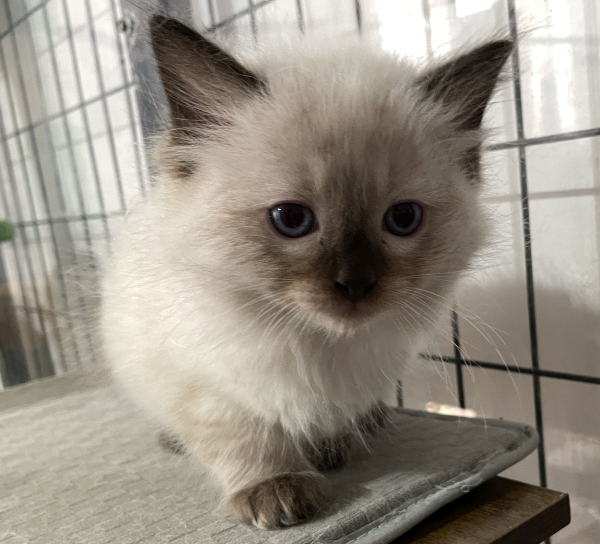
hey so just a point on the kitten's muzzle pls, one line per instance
(355, 289)
(356, 270)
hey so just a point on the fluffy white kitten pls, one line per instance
(312, 211)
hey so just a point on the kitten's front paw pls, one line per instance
(286, 499)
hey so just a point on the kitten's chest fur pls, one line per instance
(200, 351)
(308, 382)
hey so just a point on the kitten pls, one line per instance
(312, 212)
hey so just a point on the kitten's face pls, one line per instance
(340, 188)
(340, 222)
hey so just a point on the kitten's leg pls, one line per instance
(330, 453)
(374, 421)
(171, 443)
(267, 481)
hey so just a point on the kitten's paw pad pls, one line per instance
(287, 499)
(330, 453)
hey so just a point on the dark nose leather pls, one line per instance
(355, 289)
(356, 270)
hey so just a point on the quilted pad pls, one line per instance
(80, 465)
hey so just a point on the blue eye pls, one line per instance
(292, 220)
(403, 219)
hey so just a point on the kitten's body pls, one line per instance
(233, 336)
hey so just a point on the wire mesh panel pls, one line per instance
(522, 339)
(70, 165)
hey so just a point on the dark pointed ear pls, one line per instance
(466, 83)
(201, 81)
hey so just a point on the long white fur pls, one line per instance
(185, 328)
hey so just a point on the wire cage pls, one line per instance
(78, 98)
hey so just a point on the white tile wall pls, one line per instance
(561, 68)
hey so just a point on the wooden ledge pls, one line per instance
(500, 511)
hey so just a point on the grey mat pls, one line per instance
(80, 465)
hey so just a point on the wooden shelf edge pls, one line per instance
(500, 511)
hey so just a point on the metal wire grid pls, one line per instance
(61, 129)
(39, 316)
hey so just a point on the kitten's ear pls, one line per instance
(466, 83)
(201, 81)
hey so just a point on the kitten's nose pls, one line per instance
(355, 288)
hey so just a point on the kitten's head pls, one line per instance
(334, 185)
